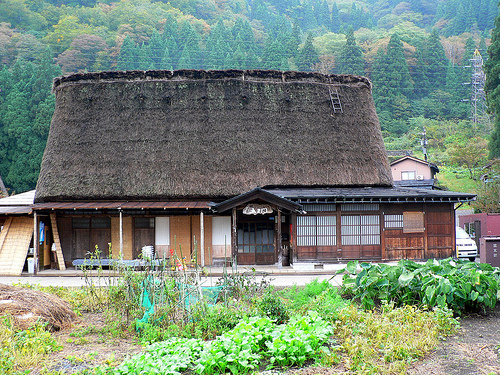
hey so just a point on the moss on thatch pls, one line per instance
(191, 133)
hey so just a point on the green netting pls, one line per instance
(190, 294)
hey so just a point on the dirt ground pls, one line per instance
(473, 350)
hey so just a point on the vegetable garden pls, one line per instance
(381, 320)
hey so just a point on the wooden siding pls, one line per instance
(435, 241)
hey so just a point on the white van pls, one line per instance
(466, 247)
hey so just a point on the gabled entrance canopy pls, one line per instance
(257, 230)
(258, 194)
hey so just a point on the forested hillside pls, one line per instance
(417, 54)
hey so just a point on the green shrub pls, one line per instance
(272, 306)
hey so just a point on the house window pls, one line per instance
(162, 230)
(316, 231)
(393, 221)
(360, 207)
(407, 175)
(94, 223)
(144, 222)
(413, 222)
(360, 229)
(319, 207)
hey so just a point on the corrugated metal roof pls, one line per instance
(22, 199)
(103, 205)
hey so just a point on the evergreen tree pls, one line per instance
(491, 87)
(392, 82)
(170, 29)
(351, 56)
(323, 15)
(26, 108)
(435, 60)
(243, 30)
(166, 61)
(189, 42)
(144, 60)
(308, 56)
(157, 48)
(218, 46)
(273, 54)
(127, 57)
(336, 23)
(419, 77)
(173, 51)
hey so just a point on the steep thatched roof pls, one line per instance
(164, 134)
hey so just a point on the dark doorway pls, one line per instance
(256, 240)
(144, 234)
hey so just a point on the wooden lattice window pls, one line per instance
(316, 231)
(360, 229)
(413, 222)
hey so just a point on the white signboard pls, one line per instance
(257, 209)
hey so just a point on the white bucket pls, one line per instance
(31, 265)
(147, 252)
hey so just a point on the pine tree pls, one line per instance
(273, 54)
(218, 45)
(170, 29)
(166, 61)
(351, 56)
(157, 48)
(419, 77)
(144, 60)
(128, 55)
(391, 78)
(189, 41)
(308, 56)
(435, 60)
(336, 23)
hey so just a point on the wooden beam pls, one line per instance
(278, 240)
(121, 235)
(234, 238)
(202, 240)
(35, 243)
(57, 242)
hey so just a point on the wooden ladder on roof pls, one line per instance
(57, 242)
(335, 100)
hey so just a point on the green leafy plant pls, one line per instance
(241, 350)
(459, 285)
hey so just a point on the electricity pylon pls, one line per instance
(478, 98)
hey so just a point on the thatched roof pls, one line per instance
(191, 133)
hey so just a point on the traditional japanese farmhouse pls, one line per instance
(252, 167)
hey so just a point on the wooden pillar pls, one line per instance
(426, 232)
(278, 240)
(35, 243)
(202, 240)
(121, 235)
(382, 235)
(234, 237)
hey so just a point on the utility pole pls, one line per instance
(423, 143)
